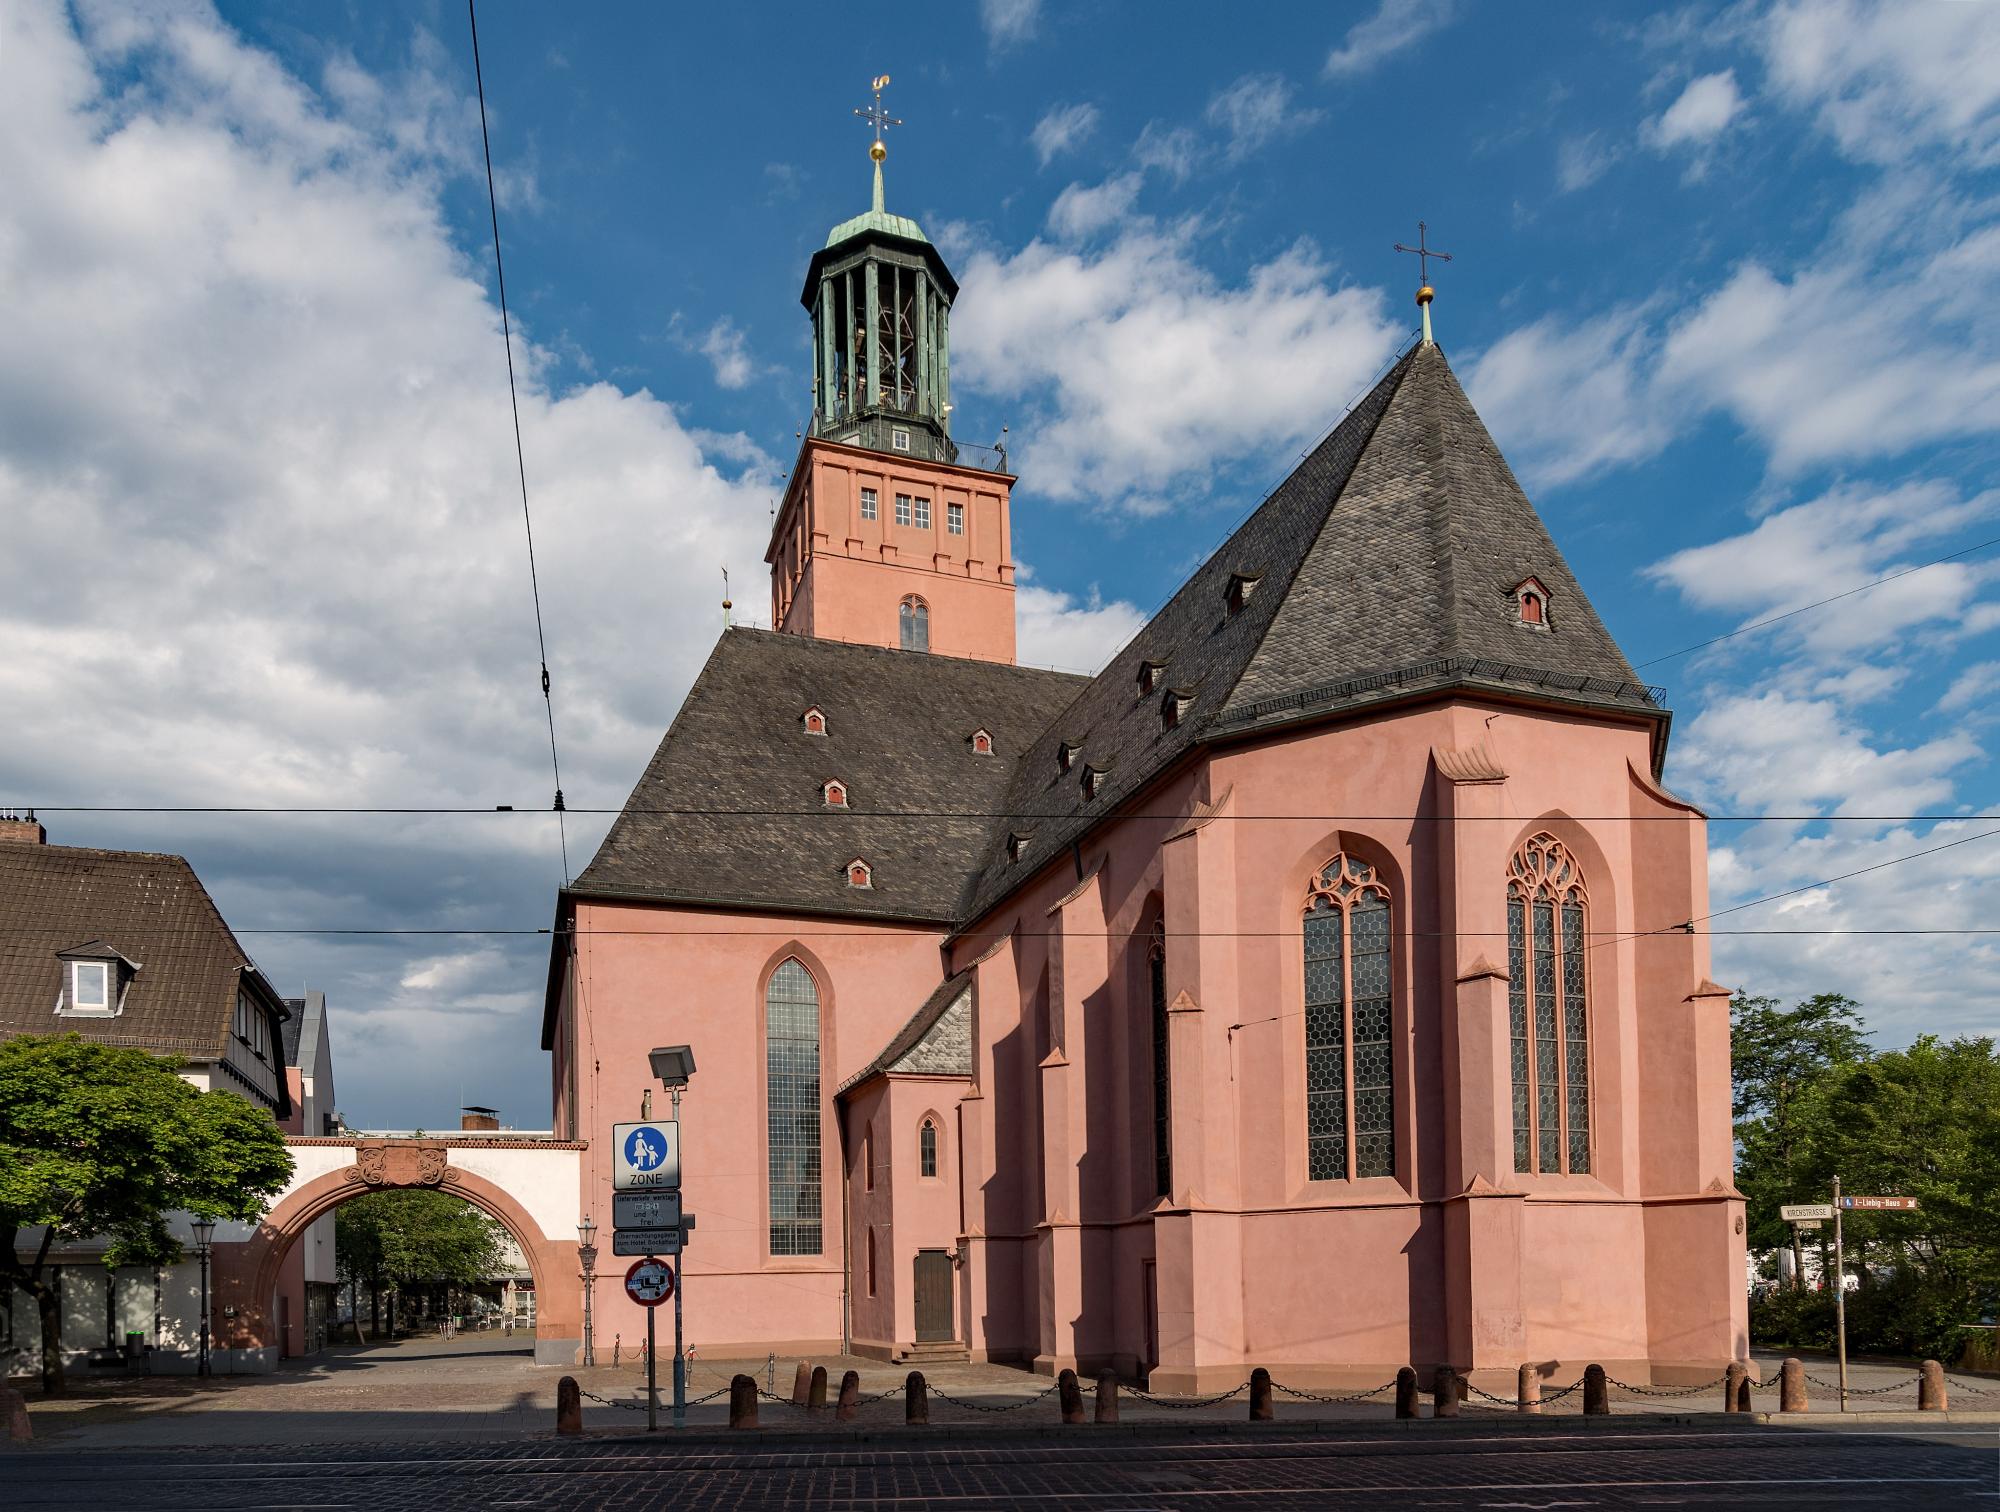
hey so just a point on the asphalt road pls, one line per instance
(1469, 1465)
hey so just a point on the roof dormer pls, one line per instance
(1017, 843)
(1242, 583)
(94, 981)
(1067, 752)
(981, 742)
(1151, 675)
(833, 793)
(1094, 778)
(1531, 604)
(860, 874)
(1174, 707)
(814, 720)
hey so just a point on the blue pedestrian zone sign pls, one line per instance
(646, 1156)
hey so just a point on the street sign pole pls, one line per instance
(680, 1360)
(1840, 1293)
(652, 1390)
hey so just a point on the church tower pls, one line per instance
(890, 533)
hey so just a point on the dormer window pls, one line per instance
(1241, 586)
(1151, 674)
(94, 979)
(982, 743)
(1066, 754)
(1531, 604)
(1094, 778)
(1174, 706)
(834, 794)
(860, 874)
(1017, 844)
(814, 720)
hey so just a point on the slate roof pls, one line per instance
(737, 756)
(936, 1040)
(152, 910)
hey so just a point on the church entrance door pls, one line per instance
(932, 1293)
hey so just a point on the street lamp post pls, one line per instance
(673, 1065)
(586, 1253)
(204, 1237)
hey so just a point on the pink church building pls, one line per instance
(1312, 988)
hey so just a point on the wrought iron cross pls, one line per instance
(875, 115)
(1424, 253)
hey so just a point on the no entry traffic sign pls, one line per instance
(650, 1282)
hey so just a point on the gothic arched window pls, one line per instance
(913, 620)
(791, 1096)
(927, 1142)
(1163, 1116)
(1350, 1063)
(1548, 1017)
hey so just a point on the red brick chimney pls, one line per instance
(478, 1118)
(22, 829)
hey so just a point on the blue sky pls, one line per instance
(1723, 287)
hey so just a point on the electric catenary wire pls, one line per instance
(520, 455)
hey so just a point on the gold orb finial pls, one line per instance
(1426, 294)
(878, 150)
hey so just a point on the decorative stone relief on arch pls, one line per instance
(383, 1163)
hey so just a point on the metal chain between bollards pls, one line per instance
(1854, 1391)
(1498, 1401)
(1180, 1402)
(946, 1396)
(1314, 1396)
(1671, 1391)
(1966, 1388)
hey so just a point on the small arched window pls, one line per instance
(1531, 608)
(927, 1148)
(1547, 1008)
(814, 721)
(1350, 1061)
(835, 794)
(860, 874)
(868, 1159)
(1531, 604)
(913, 621)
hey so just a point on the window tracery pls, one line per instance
(1548, 1008)
(1350, 1060)
(791, 1096)
(927, 1148)
(913, 621)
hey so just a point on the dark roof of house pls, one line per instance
(150, 909)
(951, 1057)
(730, 809)
(1384, 564)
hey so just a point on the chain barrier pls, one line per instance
(1854, 1391)
(640, 1406)
(1314, 1396)
(1669, 1391)
(1181, 1402)
(1966, 1388)
(1040, 1396)
(1498, 1401)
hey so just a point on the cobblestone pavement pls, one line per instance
(485, 1387)
(1502, 1464)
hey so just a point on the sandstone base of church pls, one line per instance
(1205, 1380)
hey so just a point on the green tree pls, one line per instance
(1784, 1063)
(100, 1140)
(408, 1238)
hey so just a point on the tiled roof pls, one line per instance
(936, 1040)
(152, 910)
(744, 780)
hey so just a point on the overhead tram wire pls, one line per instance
(520, 455)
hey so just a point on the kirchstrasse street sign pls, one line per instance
(1803, 1212)
(645, 1156)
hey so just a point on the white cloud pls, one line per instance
(1568, 399)
(1887, 81)
(1257, 109)
(1159, 372)
(1169, 149)
(727, 350)
(256, 398)
(1082, 210)
(1009, 23)
(1701, 114)
(1581, 161)
(1061, 129)
(1974, 688)
(1395, 26)
(1058, 630)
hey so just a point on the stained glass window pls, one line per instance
(1349, 1025)
(1547, 1009)
(791, 1067)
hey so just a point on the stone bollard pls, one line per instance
(1735, 1386)
(1444, 1393)
(743, 1401)
(916, 1401)
(850, 1397)
(569, 1406)
(1262, 1408)
(1743, 1391)
(1070, 1395)
(1528, 1390)
(14, 1407)
(1596, 1391)
(1792, 1386)
(1930, 1387)
(801, 1384)
(1406, 1392)
(816, 1387)
(1107, 1398)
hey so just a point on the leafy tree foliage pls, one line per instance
(1812, 1102)
(409, 1238)
(98, 1140)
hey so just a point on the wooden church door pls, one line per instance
(932, 1294)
